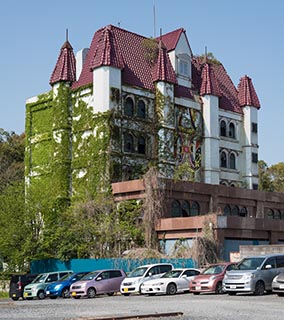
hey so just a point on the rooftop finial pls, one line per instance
(67, 34)
(205, 55)
(154, 13)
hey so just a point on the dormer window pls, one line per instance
(184, 65)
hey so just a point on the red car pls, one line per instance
(210, 279)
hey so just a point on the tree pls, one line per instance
(271, 178)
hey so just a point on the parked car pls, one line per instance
(98, 282)
(278, 284)
(210, 279)
(61, 288)
(17, 284)
(172, 282)
(36, 288)
(254, 274)
(132, 283)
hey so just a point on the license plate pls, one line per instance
(26, 294)
(233, 287)
(125, 289)
(281, 286)
(197, 288)
(47, 292)
(14, 295)
(73, 293)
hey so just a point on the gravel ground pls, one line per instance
(202, 307)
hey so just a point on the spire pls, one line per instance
(65, 68)
(107, 52)
(246, 93)
(209, 83)
(163, 70)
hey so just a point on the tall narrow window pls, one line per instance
(223, 160)
(243, 212)
(227, 210)
(141, 145)
(232, 161)
(254, 157)
(128, 143)
(185, 209)
(223, 128)
(232, 131)
(195, 209)
(235, 211)
(175, 210)
(141, 109)
(129, 107)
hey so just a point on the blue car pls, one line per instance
(61, 287)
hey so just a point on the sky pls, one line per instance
(245, 35)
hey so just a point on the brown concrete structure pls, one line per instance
(237, 216)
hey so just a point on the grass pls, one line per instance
(4, 294)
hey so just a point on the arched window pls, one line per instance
(185, 209)
(223, 128)
(270, 214)
(223, 183)
(128, 143)
(223, 160)
(141, 145)
(243, 212)
(232, 131)
(235, 211)
(232, 161)
(141, 109)
(175, 210)
(195, 209)
(227, 210)
(129, 107)
(277, 215)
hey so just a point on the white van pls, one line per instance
(132, 283)
(254, 274)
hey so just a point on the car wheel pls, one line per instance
(232, 293)
(171, 289)
(65, 293)
(280, 294)
(91, 293)
(219, 288)
(259, 288)
(110, 294)
(15, 298)
(40, 295)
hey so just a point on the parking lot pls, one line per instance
(202, 307)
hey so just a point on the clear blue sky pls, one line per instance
(245, 35)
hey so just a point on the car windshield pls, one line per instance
(172, 274)
(67, 276)
(214, 269)
(90, 276)
(40, 278)
(250, 263)
(138, 272)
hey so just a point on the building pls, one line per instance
(129, 101)
(236, 216)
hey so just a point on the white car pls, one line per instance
(172, 282)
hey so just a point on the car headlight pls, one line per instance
(213, 278)
(158, 284)
(249, 276)
(57, 287)
(275, 279)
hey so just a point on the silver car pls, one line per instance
(278, 284)
(254, 274)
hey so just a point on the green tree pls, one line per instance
(265, 182)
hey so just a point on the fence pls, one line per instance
(49, 265)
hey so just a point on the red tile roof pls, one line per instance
(65, 68)
(163, 69)
(247, 95)
(113, 46)
(209, 83)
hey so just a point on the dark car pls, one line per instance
(17, 284)
(61, 288)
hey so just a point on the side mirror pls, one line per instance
(99, 279)
(184, 276)
(268, 266)
(150, 274)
